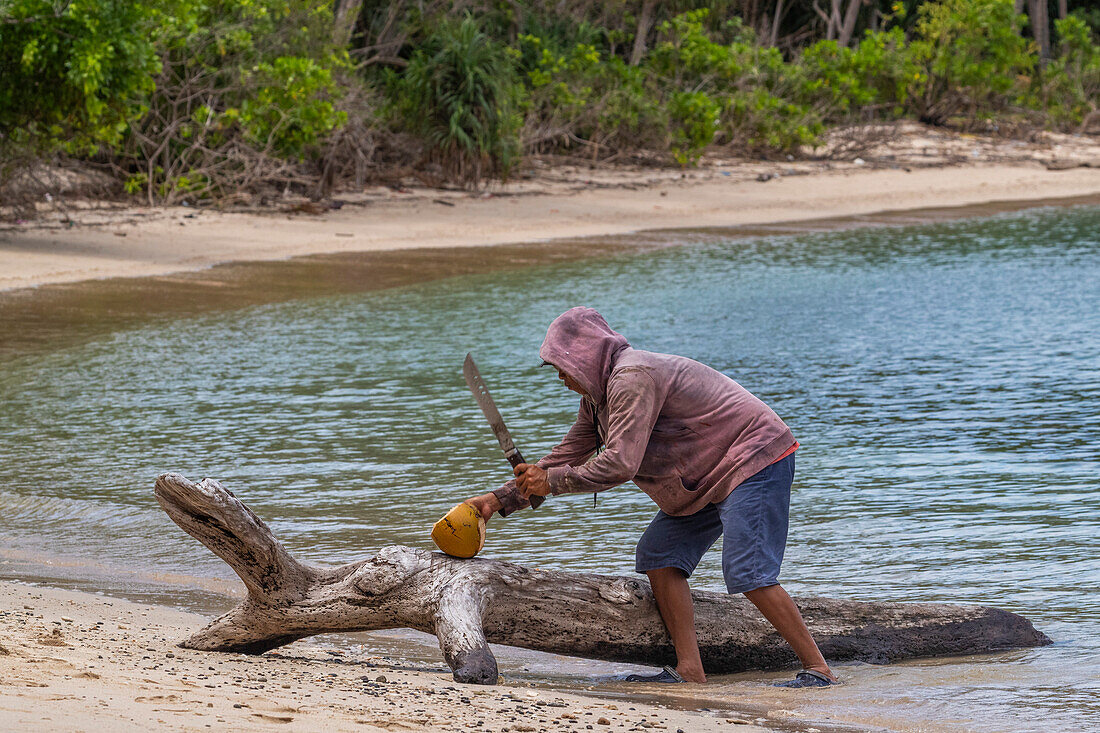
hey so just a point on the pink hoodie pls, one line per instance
(686, 434)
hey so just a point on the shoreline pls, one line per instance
(32, 605)
(144, 670)
(135, 243)
(64, 314)
(71, 660)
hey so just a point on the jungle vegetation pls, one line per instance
(199, 100)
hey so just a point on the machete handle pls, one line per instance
(515, 459)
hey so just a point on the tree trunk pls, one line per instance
(777, 19)
(851, 15)
(1040, 28)
(1063, 9)
(645, 22)
(344, 20)
(469, 603)
(834, 20)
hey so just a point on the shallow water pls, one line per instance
(944, 382)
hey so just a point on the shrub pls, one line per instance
(696, 117)
(1069, 87)
(1091, 18)
(869, 79)
(291, 107)
(459, 92)
(761, 121)
(72, 75)
(752, 89)
(579, 96)
(245, 94)
(970, 57)
(690, 93)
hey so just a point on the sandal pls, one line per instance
(668, 675)
(808, 678)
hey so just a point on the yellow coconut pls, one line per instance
(461, 532)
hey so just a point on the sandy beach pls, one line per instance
(75, 661)
(922, 170)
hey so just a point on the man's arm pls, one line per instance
(633, 403)
(579, 443)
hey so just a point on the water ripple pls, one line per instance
(944, 382)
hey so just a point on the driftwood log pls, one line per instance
(469, 603)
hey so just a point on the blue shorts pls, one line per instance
(752, 522)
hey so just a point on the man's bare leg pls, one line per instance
(670, 589)
(783, 614)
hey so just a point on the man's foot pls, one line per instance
(692, 674)
(809, 678)
(667, 675)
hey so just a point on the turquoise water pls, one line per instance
(944, 382)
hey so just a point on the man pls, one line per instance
(715, 459)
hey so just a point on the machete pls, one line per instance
(492, 414)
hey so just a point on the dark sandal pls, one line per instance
(808, 678)
(667, 675)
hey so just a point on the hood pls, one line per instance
(580, 343)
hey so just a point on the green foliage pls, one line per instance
(746, 95)
(1069, 87)
(72, 75)
(247, 89)
(460, 92)
(1090, 16)
(687, 52)
(766, 122)
(871, 78)
(204, 98)
(291, 107)
(696, 117)
(970, 59)
(578, 95)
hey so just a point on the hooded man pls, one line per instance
(715, 459)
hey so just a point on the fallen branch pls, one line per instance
(469, 603)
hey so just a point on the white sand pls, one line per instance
(72, 661)
(155, 242)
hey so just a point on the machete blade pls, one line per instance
(492, 414)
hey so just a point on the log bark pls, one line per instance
(469, 603)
